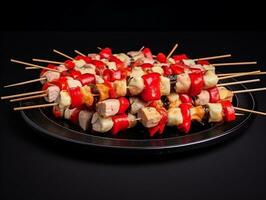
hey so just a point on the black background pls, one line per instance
(35, 167)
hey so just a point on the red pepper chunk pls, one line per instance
(151, 89)
(196, 83)
(111, 75)
(180, 57)
(147, 53)
(185, 98)
(56, 111)
(185, 110)
(74, 73)
(118, 62)
(74, 118)
(160, 127)
(106, 53)
(69, 64)
(229, 111)
(177, 69)
(124, 105)
(167, 70)
(146, 66)
(161, 58)
(61, 83)
(120, 123)
(76, 97)
(85, 58)
(214, 95)
(111, 91)
(50, 66)
(203, 62)
(87, 79)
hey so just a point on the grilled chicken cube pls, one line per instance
(135, 85)
(225, 94)
(175, 117)
(136, 104)
(203, 98)
(84, 119)
(131, 120)
(101, 124)
(107, 108)
(120, 87)
(197, 113)
(52, 93)
(210, 79)
(165, 86)
(150, 117)
(183, 83)
(215, 112)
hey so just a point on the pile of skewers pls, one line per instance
(109, 92)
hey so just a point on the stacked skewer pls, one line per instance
(112, 92)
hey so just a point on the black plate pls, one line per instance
(138, 138)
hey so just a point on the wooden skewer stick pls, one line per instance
(78, 52)
(234, 63)
(25, 82)
(238, 75)
(32, 65)
(229, 74)
(35, 106)
(172, 51)
(249, 90)
(213, 57)
(239, 114)
(31, 68)
(238, 82)
(48, 61)
(250, 111)
(30, 97)
(22, 94)
(62, 54)
(99, 48)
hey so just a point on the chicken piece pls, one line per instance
(210, 80)
(103, 91)
(124, 58)
(136, 104)
(183, 83)
(225, 94)
(94, 56)
(148, 60)
(171, 60)
(87, 95)
(135, 85)
(111, 65)
(203, 98)
(84, 119)
(68, 112)
(132, 120)
(197, 113)
(150, 117)
(173, 97)
(52, 93)
(209, 68)
(107, 108)
(157, 70)
(101, 124)
(79, 63)
(50, 76)
(189, 62)
(64, 100)
(215, 112)
(165, 85)
(99, 79)
(137, 72)
(120, 87)
(62, 68)
(85, 70)
(175, 117)
(73, 83)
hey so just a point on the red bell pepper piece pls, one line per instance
(74, 118)
(146, 66)
(46, 85)
(111, 75)
(69, 64)
(85, 58)
(118, 62)
(147, 53)
(185, 110)
(111, 92)
(185, 98)
(151, 89)
(229, 111)
(167, 70)
(56, 112)
(74, 73)
(214, 95)
(177, 69)
(120, 123)
(203, 62)
(161, 58)
(180, 57)
(124, 105)
(87, 79)
(61, 83)
(50, 66)
(196, 83)
(76, 97)
(106, 53)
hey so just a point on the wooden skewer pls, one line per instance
(62, 54)
(229, 74)
(238, 75)
(239, 114)
(48, 61)
(22, 94)
(213, 57)
(25, 82)
(250, 111)
(249, 90)
(35, 106)
(99, 48)
(234, 63)
(238, 82)
(30, 97)
(78, 52)
(172, 51)
(31, 68)
(32, 65)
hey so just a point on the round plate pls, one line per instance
(138, 138)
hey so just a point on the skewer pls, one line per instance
(172, 51)
(249, 90)
(238, 75)
(213, 57)
(32, 65)
(22, 94)
(31, 68)
(78, 52)
(35, 106)
(99, 48)
(141, 49)
(239, 114)
(251, 111)
(228, 74)
(25, 82)
(234, 63)
(62, 54)
(48, 61)
(30, 97)
(238, 82)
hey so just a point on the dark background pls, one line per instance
(35, 167)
